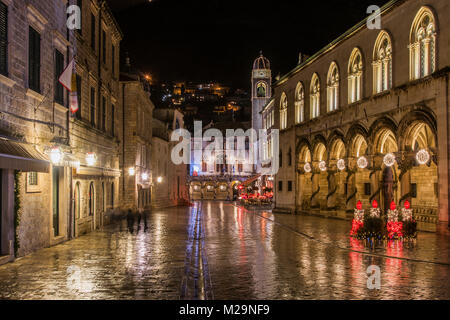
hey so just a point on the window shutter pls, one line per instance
(3, 39)
(59, 68)
(34, 60)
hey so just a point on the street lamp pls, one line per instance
(90, 159)
(55, 155)
(159, 180)
(145, 176)
(131, 171)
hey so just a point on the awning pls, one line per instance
(21, 156)
(98, 172)
(249, 181)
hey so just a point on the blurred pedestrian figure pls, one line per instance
(139, 218)
(145, 216)
(130, 220)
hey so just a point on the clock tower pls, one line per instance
(261, 89)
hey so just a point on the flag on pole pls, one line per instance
(68, 80)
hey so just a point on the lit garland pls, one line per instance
(358, 220)
(389, 160)
(394, 226)
(407, 213)
(362, 162)
(422, 157)
(341, 164)
(307, 167)
(323, 166)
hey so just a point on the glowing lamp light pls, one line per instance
(375, 204)
(323, 166)
(307, 167)
(407, 205)
(393, 206)
(389, 160)
(341, 164)
(131, 171)
(145, 176)
(422, 157)
(362, 162)
(159, 180)
(55, 155)
(359, 205)
(90, 159)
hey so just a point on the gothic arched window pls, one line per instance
(333, 87)
(422, 47)
(283, 111)
(355, 73)
(261, 90)
(315, 96)
(299, 103)
(382, 63)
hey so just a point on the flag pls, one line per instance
(68, 80)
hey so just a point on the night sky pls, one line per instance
(202, 40)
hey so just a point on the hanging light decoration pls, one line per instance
(341, 164)
(91, 159)
(362, 162)
(423, 156)
(389, 160)
(55, 155)
(323, 166)
(307, 167)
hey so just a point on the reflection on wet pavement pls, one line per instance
(226, 252)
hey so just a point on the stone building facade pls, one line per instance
(96, 129)
(169, 181)
(218, 177)
(136, 142)
(367, 118)
(33, 121)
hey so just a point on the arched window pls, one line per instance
(283, 111)
(299, 103)
(261, 90)
(382, 63)
(422, 48)
(333, 87)
(91, 199)
(355, 73)
(315, 96)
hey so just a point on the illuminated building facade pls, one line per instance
(367, 118)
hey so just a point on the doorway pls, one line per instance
(388, 188)
(1, 209)
(56, 201)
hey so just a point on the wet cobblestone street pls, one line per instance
(220, 251)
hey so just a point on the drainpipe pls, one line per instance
(123, 142)
(448, 137)
(100, 61)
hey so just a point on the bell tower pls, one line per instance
(261, 89)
